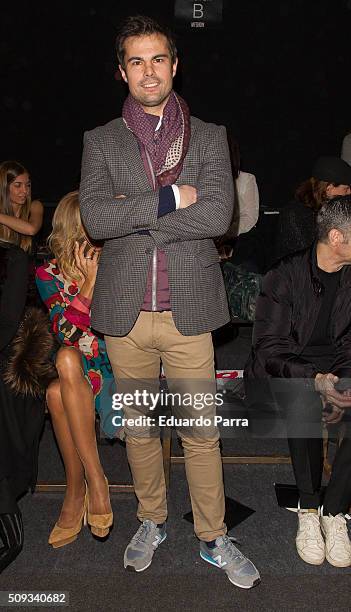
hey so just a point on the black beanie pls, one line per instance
(332, 170)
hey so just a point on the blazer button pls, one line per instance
(148, 251)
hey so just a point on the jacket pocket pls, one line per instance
(208, 259)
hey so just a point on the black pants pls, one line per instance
(306, 457)
(303, 411)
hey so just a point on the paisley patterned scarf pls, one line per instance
(167, 146)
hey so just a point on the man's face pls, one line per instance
(149, 71)
(343, 249)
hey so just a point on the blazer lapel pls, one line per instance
(129, 149)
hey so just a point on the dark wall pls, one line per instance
(276, 74)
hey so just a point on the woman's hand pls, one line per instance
(87, 261)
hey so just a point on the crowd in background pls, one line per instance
(72, 358)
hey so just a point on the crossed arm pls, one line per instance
(208, 215)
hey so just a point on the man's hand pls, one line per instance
(333, 417)
(331, 414)
(325, 385)
(188, 195)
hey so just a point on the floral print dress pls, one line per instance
(70, 318)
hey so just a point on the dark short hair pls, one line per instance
(140, 25)
(312, 193)
(334, 214)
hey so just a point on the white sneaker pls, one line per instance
(309, 540)
(337, 541)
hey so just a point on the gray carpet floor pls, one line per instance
(92, 571)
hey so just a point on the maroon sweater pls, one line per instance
(157, 285)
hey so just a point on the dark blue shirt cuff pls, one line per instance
(166, 202)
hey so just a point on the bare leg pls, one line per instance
(73, 466)
(77, 399)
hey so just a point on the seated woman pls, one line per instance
(85, 378)
(248, 196)
(20, 217)
(246, 208)
(25, 347)
(331, 177)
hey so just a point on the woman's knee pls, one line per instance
(69, 362)
(53, 398)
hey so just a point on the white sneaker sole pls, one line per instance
(309, 560)
(334, 562)
(131, 568)
(241, 586)
(338, 563)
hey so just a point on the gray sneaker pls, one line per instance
(227, 557)
(140, 550)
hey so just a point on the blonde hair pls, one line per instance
(67, 229)
(9, 171)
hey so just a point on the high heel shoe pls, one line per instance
(60, 536)
(100, 523)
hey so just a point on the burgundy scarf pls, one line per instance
(168, 145)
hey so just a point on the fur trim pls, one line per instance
(30, 368)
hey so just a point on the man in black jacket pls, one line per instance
(302, 334)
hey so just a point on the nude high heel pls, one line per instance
(100, 523)
(60, 536)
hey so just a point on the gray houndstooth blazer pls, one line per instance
(112, 165)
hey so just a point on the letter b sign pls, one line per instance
(198, 11)
(207, 13)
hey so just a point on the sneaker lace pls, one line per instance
(339, 528)
(231, 552)
(310, 527)
(143, 532)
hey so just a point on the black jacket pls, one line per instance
(286, 313)
(13, 291)
(295, 230)
(25, 348)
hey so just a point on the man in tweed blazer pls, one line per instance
(156, 186)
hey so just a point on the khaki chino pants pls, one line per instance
(188, 364)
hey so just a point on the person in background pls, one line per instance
(20, 217)
(248, 196)
(296, 223)
(346, 149)
(66, 286)
(301, 348)
(246, 205)
(25, 370)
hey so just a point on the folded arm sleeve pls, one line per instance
(212, 213)
(104, 215)
(342, 363)
(13, 296)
